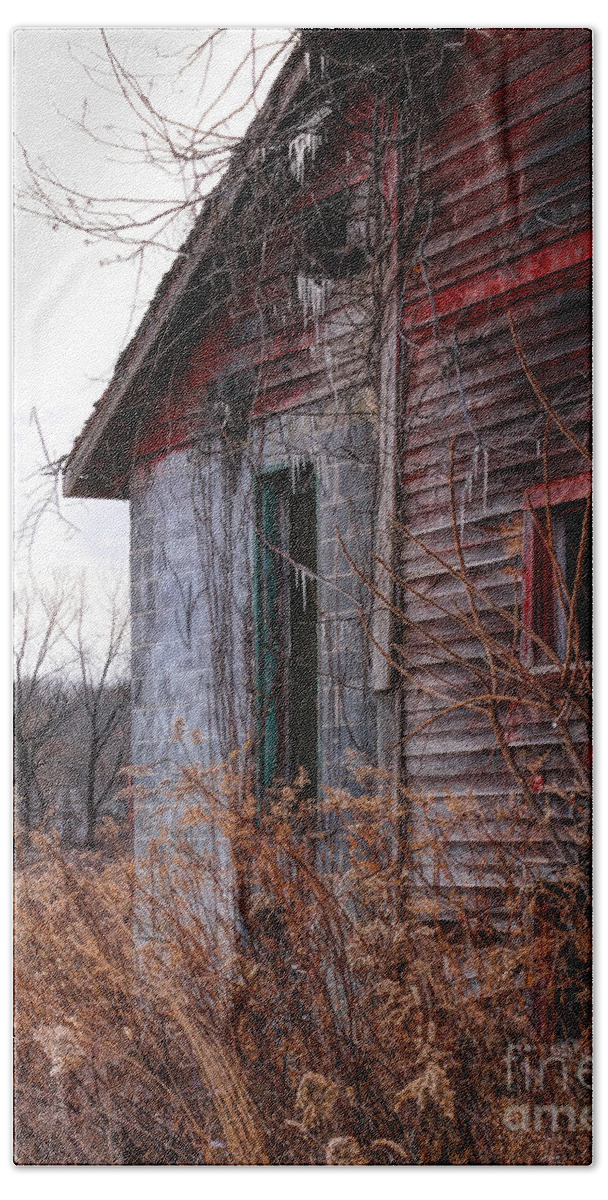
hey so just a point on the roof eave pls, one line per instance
(79, 464)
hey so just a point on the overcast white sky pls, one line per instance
(73, 315)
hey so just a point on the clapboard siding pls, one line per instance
(508, 173)
(496, 236)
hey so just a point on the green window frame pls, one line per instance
(286, 627)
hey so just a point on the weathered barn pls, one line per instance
(353, 430)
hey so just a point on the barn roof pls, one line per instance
(98, 464)
(80, 477)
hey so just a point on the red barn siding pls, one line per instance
(502, 192)
(510, 236)
(505, 175)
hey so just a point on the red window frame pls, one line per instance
(538, 575)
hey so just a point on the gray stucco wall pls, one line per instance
(192, 534)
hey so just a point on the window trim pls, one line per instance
(542, 496)
(276, 480)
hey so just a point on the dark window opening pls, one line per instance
(558, 580)
(568, 532)
(329, 246)
(228, 403)
(286, 627)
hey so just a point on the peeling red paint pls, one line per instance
(489, 160)
(499, 281)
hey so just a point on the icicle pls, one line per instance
(461, 515)
(296, 464)
(306, 143)
(476, 460)
(468, 487)
(312, 295)
(301, 575)
(322, 65)
(485, 481)
(307, 62)
(303, 293)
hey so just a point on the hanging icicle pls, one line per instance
(306, 142)
(468, 487)
(303, 144)
(485, 481)
(301, 575)
(312, 294)
(296, 464)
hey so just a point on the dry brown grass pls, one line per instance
(360, 1015)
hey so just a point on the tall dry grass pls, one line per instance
(360, 1014)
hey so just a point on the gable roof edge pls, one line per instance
(216, 207)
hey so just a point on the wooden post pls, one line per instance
(388, 443)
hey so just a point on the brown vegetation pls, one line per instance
(352, 1021)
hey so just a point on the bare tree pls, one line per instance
(101, 693)
(71, 700)
(41, 700)
(187, 153)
